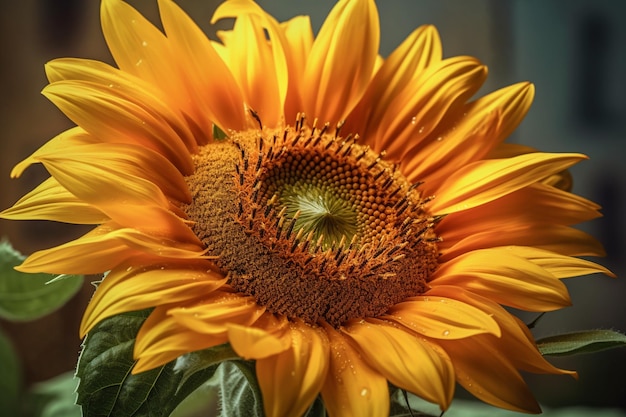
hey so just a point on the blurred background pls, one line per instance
(573, 50)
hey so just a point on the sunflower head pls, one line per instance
(312, 224)
(343, 219)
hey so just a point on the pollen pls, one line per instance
(312, 224)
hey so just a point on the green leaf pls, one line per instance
(219, 133)
(105, 363)
(30, 296)
(204, 366)
(238, 390)
(196, 362)
(581, 342)
(233, 391)
(201, 402)
(11, 380)
(54, 398)
(108, 388)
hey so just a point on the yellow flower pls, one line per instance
(345, 220)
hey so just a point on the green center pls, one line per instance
(331, 219)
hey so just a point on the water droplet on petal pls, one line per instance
(446, 333)
(139, 62)
(364, 392)
(421, 130)
(144, 43)
(413, 120)
(130, 268)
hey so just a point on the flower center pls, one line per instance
(313, 225)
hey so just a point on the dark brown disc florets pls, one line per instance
(313, 225)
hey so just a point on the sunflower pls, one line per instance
(342, 219)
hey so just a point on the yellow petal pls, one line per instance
(137, 288)
(484, 124)
(51, 201)
(132, 160)
(527, 358)
(516, 339)
(210, 86)
(488, 374)
(216, 312)
(553, 237)
(93, 253)
(569, 208)
(484, 181)
(299, 38)
(561, 180)
(560, 266)
(405, 360)
(147, 362)
(118, 82)
(237, 8)
(341, 62)
(108, 179)
(442, 162)
(103, 249)
(82, 69)
(162, 339)
(507, 150)
(535, 204)
(420, 106)
(487, 366)
(252, 63)
(352, 387)
(97, 72)
(63, 142)
(143, 163)
(441, 318)
(255, 343)
(291, 380)
(137, 46)
(419, 50)
(115, 115)
(89, 177)
(266, 61)
(500, 275)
